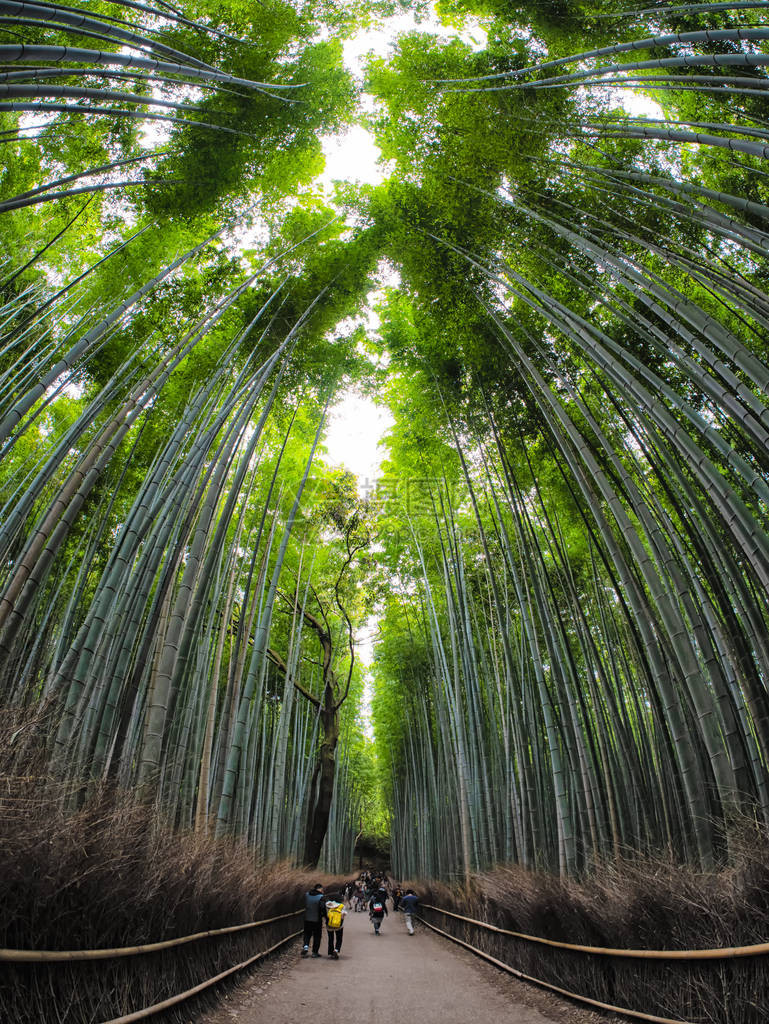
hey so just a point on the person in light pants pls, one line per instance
(408, 906)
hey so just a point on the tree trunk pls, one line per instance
(323, 791)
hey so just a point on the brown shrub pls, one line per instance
(111, 874)
(640, 903)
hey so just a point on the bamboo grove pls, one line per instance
(567, 555)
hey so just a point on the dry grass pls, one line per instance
(653, 904)
(110, 874)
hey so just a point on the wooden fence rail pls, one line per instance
(47, 956)
(31, 956)
(722, 955)
(725, 953)
(150, 1011)
(548, 985)
(53, 956)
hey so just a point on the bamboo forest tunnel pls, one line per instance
(556, 283)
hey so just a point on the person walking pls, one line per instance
(370, 891)
(408, 906)
(314, 913)
(360, 898)
(335, 915)
(377, 909)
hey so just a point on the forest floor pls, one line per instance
(395, 977)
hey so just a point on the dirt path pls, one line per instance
(390, 979)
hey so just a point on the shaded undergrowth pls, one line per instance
(110, 874)
(632, 904)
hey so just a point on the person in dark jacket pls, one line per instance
(377, 909)
(408, 906)
(314, 912)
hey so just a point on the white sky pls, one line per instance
(354, 156)
(357, 424)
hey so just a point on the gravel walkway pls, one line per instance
(394, 978)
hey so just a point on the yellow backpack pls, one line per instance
(334, 916)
